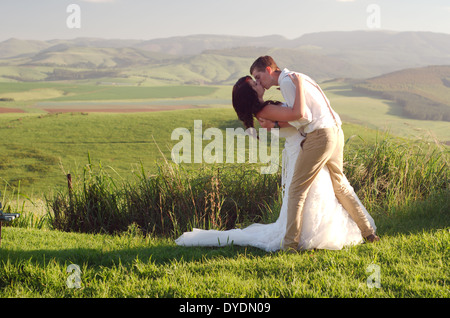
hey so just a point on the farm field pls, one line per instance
(43, 134)
(353, 106)
(53, 135)
(38, 148)
(77, 97)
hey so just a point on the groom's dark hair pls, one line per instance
(262, 62)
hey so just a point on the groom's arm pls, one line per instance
(297, 115)
(289, 91)
(287, 88)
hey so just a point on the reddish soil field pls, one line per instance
(115, 109)
(10, 110)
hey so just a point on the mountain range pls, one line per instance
(220, 59)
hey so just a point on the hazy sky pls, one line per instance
(149, 19)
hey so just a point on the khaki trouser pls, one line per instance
(321, 147)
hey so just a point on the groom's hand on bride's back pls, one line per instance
(296, 78)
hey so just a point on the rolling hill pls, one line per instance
(221, 59)
(196, 44)
(423, 93)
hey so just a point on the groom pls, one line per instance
(323, 145)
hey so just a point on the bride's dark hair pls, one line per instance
(246, 102)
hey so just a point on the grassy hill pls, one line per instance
(220, 59)
(15, 47)
(423, 93)
(36, 149)
(196, 44)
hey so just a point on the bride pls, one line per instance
(326, 224)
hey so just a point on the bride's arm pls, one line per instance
(298, 111)
(268, 124)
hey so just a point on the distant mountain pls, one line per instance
(221, 59)
(15, 47)
(196, 44)
(380, 52)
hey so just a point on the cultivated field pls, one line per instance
(49, 127)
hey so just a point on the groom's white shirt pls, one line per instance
(318, 113)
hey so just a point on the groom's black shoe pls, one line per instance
(371, 238)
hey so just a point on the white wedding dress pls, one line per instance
(326, 224)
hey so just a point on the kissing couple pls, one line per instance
(320, 209)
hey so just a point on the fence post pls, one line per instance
(69, 184)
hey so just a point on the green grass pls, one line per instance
(38, 149)
(408, 198)
(412, 257)
(50, 145)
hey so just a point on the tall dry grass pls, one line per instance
(386, 175)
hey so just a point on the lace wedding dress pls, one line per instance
(326, 224)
